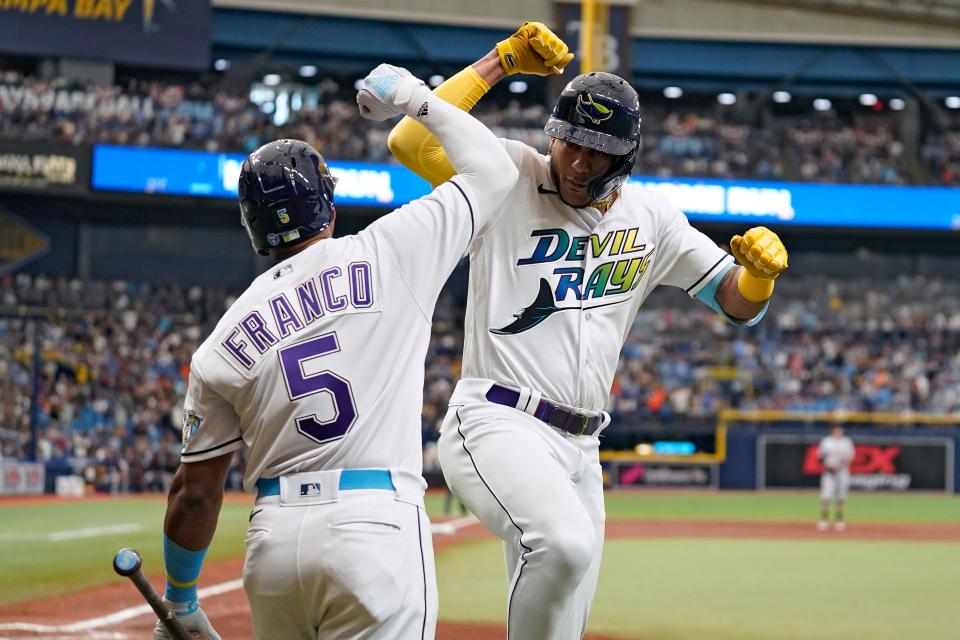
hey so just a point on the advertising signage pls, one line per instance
(167, 33)
(881, 463)
(54, 169)
(199, 173)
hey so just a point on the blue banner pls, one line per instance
(200, 173)
(811, 204)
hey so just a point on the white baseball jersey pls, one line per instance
(554, 289)
(836, 453)
(320, 363)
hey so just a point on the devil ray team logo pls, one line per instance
(591, 110)
(190, 424)
(606, 280)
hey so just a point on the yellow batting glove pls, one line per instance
(763, 257)
(534, 49)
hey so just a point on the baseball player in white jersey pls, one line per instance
(316, 371)
(836, 452)
(554, 287)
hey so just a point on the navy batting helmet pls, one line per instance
(286, 194)
(600, 111)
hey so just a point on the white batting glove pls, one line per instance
(193, 619)
(387, 92)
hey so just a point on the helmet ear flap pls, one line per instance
(601, 187)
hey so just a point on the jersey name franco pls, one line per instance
(319, 364)
(293, 311)
(554, 289)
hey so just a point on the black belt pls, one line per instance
(573, 422)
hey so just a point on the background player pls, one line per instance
(554, 288)
(317, 370)
(836, 452)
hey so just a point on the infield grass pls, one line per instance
(472, 578)
(739, 589)
(779, 506)
(52, 548)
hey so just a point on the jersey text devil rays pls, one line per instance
(607, 279)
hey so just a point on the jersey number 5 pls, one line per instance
(300, 385)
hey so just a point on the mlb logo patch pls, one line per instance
(310, 490)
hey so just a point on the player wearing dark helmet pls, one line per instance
(554, 288)
(308, 374)
(595, 134)
(286, 196)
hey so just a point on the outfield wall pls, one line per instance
(888, 459)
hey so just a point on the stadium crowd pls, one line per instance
(699, 138)
(114, 358)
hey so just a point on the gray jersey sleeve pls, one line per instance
(211, 427)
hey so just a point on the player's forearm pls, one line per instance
(732, 300)
(475, 153)
(192, 513)
(420, 151)
(489, 69)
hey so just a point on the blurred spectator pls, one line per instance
(827, 150)
(115, 357)
(695, 138)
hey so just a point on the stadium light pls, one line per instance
(822, 104)
(436, 80)
(672, 92)
(518, 86)
(782, 97)
(271, 79)
(897, 104)
(308, 71)
(952, 102)
(727, 98)
(221, 64)
(868, 99)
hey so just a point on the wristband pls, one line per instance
(183, 571)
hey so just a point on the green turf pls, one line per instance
(780, 506)
(34, 566)
(728, 588)
(676, 589)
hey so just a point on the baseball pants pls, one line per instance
(834, 485)
(345, 564)
(541, 492)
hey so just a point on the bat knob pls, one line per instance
(127, 562)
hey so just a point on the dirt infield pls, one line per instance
(93, 613)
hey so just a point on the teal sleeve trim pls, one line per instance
(708, 296)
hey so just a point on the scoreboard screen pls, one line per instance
(705, 444)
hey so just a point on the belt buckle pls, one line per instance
(583, 426)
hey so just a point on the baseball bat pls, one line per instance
(127, 563)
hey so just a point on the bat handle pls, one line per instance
(127, 563)
(167, 619)
(557, 70)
